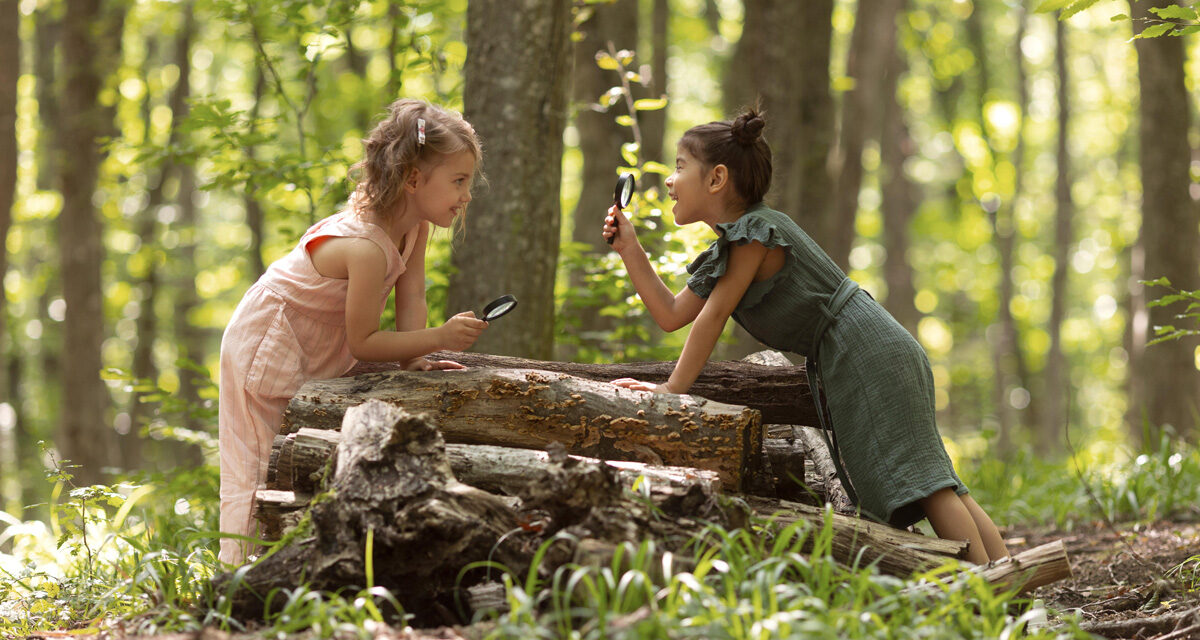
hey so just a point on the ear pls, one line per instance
(718, 177)
(412, 179)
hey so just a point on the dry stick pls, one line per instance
(1167, 623)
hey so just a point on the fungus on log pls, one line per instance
(531, 409)
(780, 392)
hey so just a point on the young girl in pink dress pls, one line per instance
(316, 311)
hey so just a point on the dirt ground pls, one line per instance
(1127, 580)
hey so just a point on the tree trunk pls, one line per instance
(780, 393)
(47, 32)
(1054, 413)
(90, 46)
(900, 198)
(654, 123)
(188, 336)
(871, 47)
(600, 140)
(516, 78)
(255, 218)
(1169, 230)
(787, 73)
(530, 409)
(10, 70)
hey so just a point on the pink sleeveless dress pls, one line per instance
(289, 328)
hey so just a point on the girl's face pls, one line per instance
(686, 187)
(441, 194)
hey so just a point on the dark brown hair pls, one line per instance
(393, 149)
(738, 144)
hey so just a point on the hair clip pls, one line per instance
(420, 131)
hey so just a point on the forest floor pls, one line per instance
(1129, 581)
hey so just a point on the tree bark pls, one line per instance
(517, 73)
(91, 43)
(900, 199)
(1054, 414)
(871, 46)
(600, 140)
(781, 393)
(531, 409)
(1169, 232)
(10, 71)
(787, 73)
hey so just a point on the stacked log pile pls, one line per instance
(490, 463)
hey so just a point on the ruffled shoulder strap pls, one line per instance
(711, 264)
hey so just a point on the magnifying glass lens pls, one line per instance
(624, 191)
(499, 307)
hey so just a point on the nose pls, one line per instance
(670, 180)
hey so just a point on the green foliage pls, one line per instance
(1160, 482)
(1191, 313)
(760, 583)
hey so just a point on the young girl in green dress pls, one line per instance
(766, 272)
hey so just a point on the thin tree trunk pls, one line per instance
(600, 140)
(900, 198)
(90, 49)
(512, 230)
(1054, 408)
(10, 70)
(47, 28)
(188, 337)
(255, 218)
(654, 123)
(787, 74)
(1169, 230)
(870, 48)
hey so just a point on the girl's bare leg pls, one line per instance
(993, 542)
(952, 520)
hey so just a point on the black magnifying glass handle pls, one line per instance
(621, 196)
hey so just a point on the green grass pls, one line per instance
(1155, 484)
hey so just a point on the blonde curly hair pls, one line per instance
(393, 149)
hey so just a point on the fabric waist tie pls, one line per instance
(845, 290)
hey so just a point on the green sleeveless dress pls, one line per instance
(876, 377)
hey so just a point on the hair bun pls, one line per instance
(747, 127)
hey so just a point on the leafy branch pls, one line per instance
(1191, 313)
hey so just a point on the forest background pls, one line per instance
(1003, 180)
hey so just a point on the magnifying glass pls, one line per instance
(622, 195)
(499, 307)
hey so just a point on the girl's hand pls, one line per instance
(638, 385)
(618, 227)
(462, 330)
(425, 364)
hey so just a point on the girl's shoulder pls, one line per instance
(759, 224)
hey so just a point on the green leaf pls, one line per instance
(1049, 6)
(1155, 31)
(1075, 8)
(629, 151)
(656, 167)
(605, 61)
(1174, 12)
(650, 104)
(1119, 17)
(1159, 282)
(625, 120)
(1188, 30)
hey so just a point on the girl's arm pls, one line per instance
(671, 311)
(412, 312)
(366, 268)
(744, 261)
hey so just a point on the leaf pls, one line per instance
(650, 104)
(1155, 31)
(629, 152)
(625, 120)
(1188, 30)
(1049, 6)
(1119, 17)
(656, 167)
(605, 61)
(1075, 8)
(1159, 282)
(1174, 12)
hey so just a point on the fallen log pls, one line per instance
(812, 447)
(531, 409)
(1025, 571)
(781, 393)
(299, 461)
